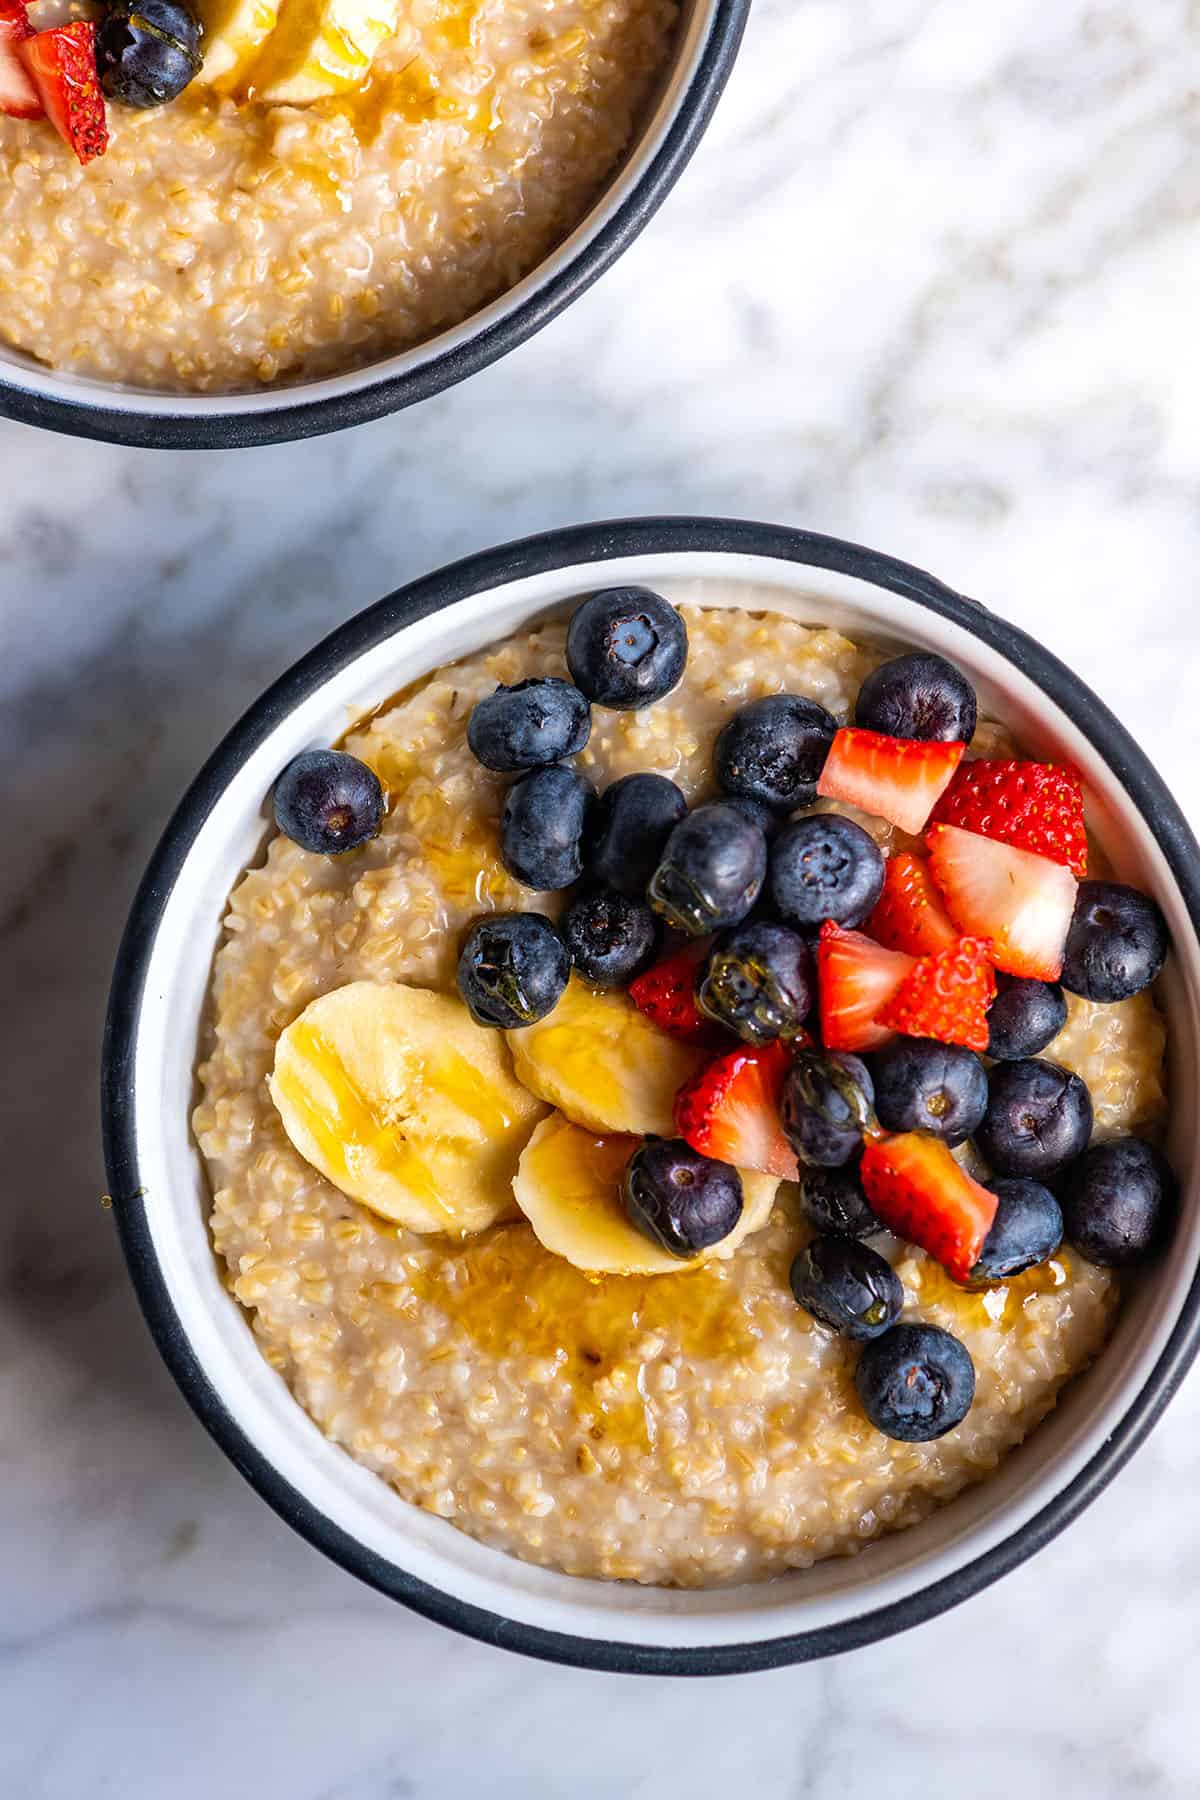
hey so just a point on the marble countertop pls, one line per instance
(930, 284)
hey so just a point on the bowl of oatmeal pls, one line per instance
(634, 1319)
(338, 209)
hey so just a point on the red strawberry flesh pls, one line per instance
(666, 993)
(1021, 901)
(947, 996)
(897, 779)
(921, 1193)
(18, 96)
(856, 978)
(1033, 806)
(62, 66)
(729, 1110)
(910, 915)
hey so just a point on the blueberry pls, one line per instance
(1118, 1202)
(529, 725)
(1038, 1117)
(760, 981)
(916, 1382)
(711, 870)
(921, 1085)
(626, 647)
(833, 1200)
(758, 813)
(541, 828)
(774, 749)
(1117, 942)
(1024, 1017)
(611, 937)
(825, 867)
(684, 1201)
(328, 801)
(847, 1286)
(1028, 1228)
(630, 825)
(920, 695)
(147, 51)
(512, 969)
(826, 1106)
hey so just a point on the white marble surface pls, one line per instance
(931, 284)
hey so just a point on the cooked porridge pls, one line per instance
(229, 240)
(691, 1428)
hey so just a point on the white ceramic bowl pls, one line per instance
(705, 47)
(158, 1183)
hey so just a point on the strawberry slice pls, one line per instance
(909, 914)
(921, 1193)
(947, 996)
(1033, 806)
(730, 1110)
(666, 993)
(857, 977)
(18, 96)
(1021, 901)
(899, 779)
(62, 66)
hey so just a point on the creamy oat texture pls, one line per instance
(222, 245)
(685, 1429)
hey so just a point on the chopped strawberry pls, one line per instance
(18, 96)
(921, 1193)
(1021, 901)
(1033, 806)
(730, 1110)
(898, 779)
(666, 993)
(947, 996)
(62, 66)
(857, 977)
(910, 915)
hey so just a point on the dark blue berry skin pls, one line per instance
(529, 726)
(628, 830)
(824, 866)
(1028, 1228)
(512, 969)
(833, 1201)
(626, 647)
(1117, 943)
(920, 695)
(541, 828)
(611, 938)
(711, 871)
(327, 801)
(826, 1106)
(921, 1085)
(1024, 1017)
(916, 1383)
(774, 749)
(147, 51)
(760, 981)
(1039, 1116)
(684, 1201)
(1118, 1202)
(847, 1286)
(758, 813)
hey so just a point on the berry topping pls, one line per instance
(1119, 1200)
(1027, 1229)
(833, 1200)
(629, 827)
(327, 801)
(760, 982)
(62, 67)
(773, 750)
(897, 779)
(1022, 902)
(666, 993)
(1033, 806)
(18, 96)
(847, 1286)
(730, 1110)
(626, 647)
(529, 725)
(1117, 942)
(512, 969)
(825, 867)
(147, 51)
(611, 938)
(826, 1107)
(921, 1193)
(711, 870)
(685, 1201)
(919, 695)
(916, 1383)
(910, 914)
(541, 828)
(856, 977)
(946, 996)
(1024, 1017)
(1038, 1117)
(921, 1085)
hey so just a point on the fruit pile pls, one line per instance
(789, 1002)
(142, 54)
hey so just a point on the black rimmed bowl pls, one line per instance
(159, 1189)
(705, 46)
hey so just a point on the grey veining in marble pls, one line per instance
(931, 284)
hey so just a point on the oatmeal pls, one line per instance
(687, 1428)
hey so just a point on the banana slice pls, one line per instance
(321, 47)
(404, 1103)
(568, 1186)
(234, 32)
(602, 1063)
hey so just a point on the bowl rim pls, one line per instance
(545, 552)
(603, 234)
